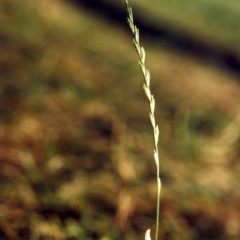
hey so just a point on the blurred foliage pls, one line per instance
(75, 139)
(216, 22)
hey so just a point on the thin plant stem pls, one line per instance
(146, 87)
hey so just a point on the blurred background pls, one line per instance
(76, 148)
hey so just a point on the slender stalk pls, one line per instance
(146, 87)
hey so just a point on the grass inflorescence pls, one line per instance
(146, 87)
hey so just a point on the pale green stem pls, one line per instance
(146, 86)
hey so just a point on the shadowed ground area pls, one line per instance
(206, 30)
(75, 139)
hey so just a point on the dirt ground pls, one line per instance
(76, 143)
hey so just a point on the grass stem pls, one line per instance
(146, 87)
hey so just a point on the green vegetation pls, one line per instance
(75, 146)
(216, 22)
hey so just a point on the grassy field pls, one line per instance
(214, 22)
(75, 138)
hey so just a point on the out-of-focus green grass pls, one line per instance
(75, 138)
(215, 22)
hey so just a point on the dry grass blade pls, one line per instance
(147, 235)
